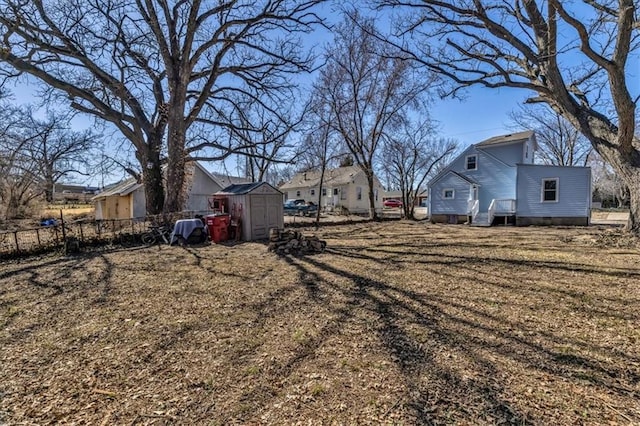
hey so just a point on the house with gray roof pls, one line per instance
(343, 188)
(126, 200)
(498, 181)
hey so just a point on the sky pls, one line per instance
(481, 115)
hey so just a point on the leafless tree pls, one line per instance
(410, 156)
(155, 68)
(55, 150)
(575, 57)
(607, 185)
(559, 143)
(263, 137)
(368, 89)
(321, 147)
(18, 177)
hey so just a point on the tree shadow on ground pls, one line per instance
(481, 337)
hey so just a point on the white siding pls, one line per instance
(139, 203)
(574, 191)
(202, 188)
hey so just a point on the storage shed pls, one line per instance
(254, 208)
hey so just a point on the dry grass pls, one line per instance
(396, 323)
(69, 212)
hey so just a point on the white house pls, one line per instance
(497, 181)
(344, 188)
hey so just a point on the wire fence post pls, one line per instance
(81, 233)
(64, 235)
(15, 238)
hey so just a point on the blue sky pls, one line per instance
(483, 114)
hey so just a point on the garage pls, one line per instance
(254, 209)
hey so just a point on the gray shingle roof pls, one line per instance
(505, 139)
(241, 188)
(310, 179)
(125, 187)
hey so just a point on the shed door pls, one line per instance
(259, 228)
(274, 211)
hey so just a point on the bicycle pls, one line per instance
(156, 234)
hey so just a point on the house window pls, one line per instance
(375, 193)
(448, 194)
(359, 192)
(526, 151)
(297, 193)
(335, 191)
(550, 190)
(324, 192)
(472, 162)
(313, 192)
(343, 194)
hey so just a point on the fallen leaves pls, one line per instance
(396, 322)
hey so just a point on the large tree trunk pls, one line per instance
(176, 196)
(618, 150)
(152, 176)
(176, 140)
(632, 179)
(48, 189)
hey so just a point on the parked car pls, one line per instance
(392, 203)
(299, 207)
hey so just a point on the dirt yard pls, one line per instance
(396, 323)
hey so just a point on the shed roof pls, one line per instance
(242, 188)
(123, 188)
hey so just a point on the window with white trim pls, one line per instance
(297, 193)
(472, 162)
(550, 190)
(313, 191)
(359, 192)
(448, 194)
(324, 192)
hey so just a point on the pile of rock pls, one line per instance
(293, 242)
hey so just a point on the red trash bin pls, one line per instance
(218, 226)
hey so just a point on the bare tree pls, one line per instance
(410, 156)
(321, 147)
(573, 55)
(559, 143)
(263, 136)
(18, 177)
(368, 90)
(56, 150)
(607, 185)
(155, 68)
